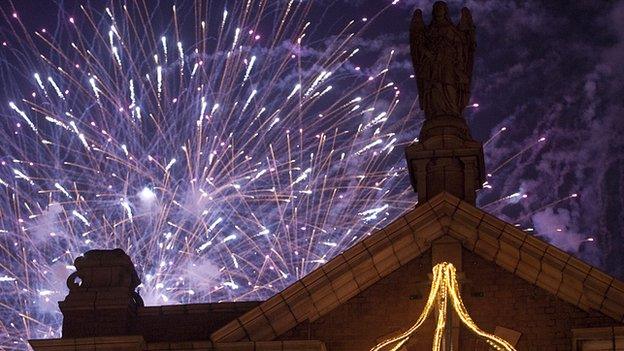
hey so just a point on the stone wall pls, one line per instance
(545, 321)
(191, 322)
(383, 308)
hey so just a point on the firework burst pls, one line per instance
(228, 154)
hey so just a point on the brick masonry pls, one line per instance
(178, 323)
(493, 296)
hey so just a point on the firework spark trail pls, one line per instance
(226, 165)
(503, 129)
(516, 155)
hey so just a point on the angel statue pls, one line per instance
(442, 54)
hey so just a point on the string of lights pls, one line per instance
(444, 290)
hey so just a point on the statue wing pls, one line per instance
(417, 48)
(467, 28)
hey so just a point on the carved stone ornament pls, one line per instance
(102, 269)
(102, 299)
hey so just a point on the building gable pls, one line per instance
(493, 296)
(385, 251)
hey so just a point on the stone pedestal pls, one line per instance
(446, 159)
(102, 300)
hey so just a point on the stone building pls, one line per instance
(520, 287)
(514, 285)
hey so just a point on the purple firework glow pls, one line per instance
(232, 149)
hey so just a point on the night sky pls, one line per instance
(547, 69)
(548, 81)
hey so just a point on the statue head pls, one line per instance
(440, 13)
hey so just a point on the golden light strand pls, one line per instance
(444, 286)
(433, 294)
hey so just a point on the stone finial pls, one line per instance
(102, 297)
(446, 157)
